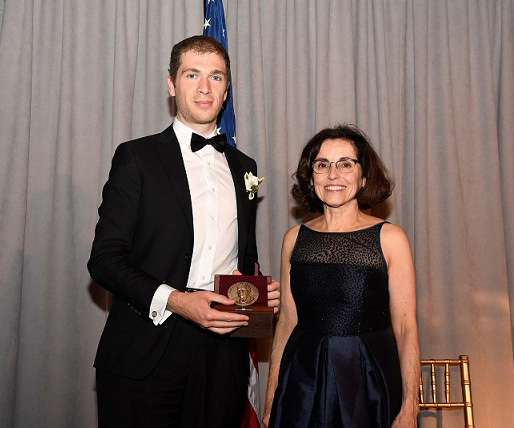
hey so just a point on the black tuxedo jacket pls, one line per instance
(144, 238)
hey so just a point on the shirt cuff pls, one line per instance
(158, 312)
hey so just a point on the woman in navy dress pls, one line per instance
(345, 352)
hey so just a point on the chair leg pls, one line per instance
(466, 391)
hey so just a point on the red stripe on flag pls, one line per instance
(250, 419)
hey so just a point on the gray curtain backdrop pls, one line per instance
(432, 83)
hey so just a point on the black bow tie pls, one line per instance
(219, 142)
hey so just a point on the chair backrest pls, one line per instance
(447, 403)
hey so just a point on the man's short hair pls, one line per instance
(200, 45)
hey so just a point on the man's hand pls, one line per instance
(196, 307)
(273, 293)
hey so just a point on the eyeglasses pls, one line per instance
(343, 165)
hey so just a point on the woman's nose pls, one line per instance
(333, 173)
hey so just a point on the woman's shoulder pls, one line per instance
(392, 231)
(290, 239)
(394, 240)
(291, 235)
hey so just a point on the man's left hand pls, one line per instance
(274, 295)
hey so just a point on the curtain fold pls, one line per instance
(432, 84)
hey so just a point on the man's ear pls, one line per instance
(171, 87)
(226, 92)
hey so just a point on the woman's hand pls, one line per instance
(405, 419)
(266, 415)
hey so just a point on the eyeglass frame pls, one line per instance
(335, 162)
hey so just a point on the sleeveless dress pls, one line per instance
(340, 366)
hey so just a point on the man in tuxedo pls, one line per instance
(175, 211)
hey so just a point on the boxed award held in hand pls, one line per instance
(251, 295)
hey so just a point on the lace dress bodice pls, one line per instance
(339, 281)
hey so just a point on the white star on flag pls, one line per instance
(215, 26)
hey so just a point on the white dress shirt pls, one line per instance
(213, 200)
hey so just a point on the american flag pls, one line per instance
(214, 26)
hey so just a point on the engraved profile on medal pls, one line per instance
(244, 293)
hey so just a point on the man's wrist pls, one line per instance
(174, 299)
(158, 306)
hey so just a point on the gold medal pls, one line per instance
(244, 293)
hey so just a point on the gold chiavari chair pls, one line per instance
(433, 403)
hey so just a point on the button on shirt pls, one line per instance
(214, 206)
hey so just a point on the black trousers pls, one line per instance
(201, 381)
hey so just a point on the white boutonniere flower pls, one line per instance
(252, 184)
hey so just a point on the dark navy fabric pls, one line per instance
(340, 366)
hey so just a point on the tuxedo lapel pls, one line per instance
(171, 157)
(243, 203)
(173, 163)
